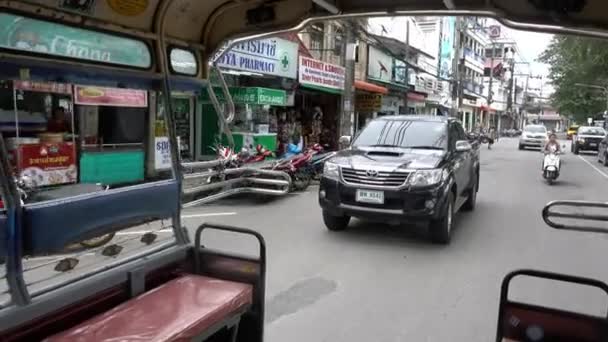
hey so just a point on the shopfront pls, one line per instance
(112, 124)
(469, 114)
(371, 101)
(255, 117)
(38, 127)
(317, 103)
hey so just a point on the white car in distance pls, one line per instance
(533, 136)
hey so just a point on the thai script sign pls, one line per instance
(368, 103)
(272, 56)
(317, 73)
(48, 164)
(44, 87)
(116, 97)
(25, 34)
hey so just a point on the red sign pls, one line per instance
(116, 97)
(48, 164)
(44, 87)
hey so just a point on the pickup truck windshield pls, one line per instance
(591, 131)
(404, 133)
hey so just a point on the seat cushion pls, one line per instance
(178, 310)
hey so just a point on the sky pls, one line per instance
(531, 45)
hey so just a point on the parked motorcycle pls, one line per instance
(297, 165)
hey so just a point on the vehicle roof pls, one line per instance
(206, 25)
(598, 127)
(431, 118)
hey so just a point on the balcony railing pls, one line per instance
(472, 55)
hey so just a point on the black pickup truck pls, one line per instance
(403, 169)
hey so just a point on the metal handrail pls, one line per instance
(225, 116)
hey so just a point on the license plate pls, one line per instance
(370, 196)
(593, 144)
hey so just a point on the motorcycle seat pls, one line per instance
(183, 309)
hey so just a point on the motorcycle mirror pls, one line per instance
(584, 216)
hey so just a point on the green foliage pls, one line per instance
(577, 60)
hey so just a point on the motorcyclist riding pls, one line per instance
(552, 145)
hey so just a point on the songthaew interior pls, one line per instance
(152, 288)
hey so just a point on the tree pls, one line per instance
(574, 60)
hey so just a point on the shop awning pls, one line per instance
(415, 97)
(488, 109)
(372, 88)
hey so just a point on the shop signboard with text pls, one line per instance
(368, 103)
(26, 34)
(379, 65)
(318, 74)
(272, 56)
(251, 95)
(115, 97)
(44, 87)
(47, 164)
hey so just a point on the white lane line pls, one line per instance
(594, 167)
(54, 256)
(141, 232)
(208, 215)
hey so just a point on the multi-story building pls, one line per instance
(502, 56)
(473, 40)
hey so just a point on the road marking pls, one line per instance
(55, 256)
(594, 167)
(142, 232)
(209, 214)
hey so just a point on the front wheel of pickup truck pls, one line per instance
(441, 229)
(335, 223)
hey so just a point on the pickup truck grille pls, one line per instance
(382, 178)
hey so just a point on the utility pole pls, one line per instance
(407, 69)
(348, 96)
(456, 93)
(490, 90)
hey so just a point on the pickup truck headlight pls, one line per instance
(427, 177)
(331, 171)
(581, 140)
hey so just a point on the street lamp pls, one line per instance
(594, 86)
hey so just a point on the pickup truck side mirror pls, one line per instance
(463, 146)
(344, 140)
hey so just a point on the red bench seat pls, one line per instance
(176, 311)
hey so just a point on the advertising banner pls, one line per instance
(368, 103)
(116, 97)
(317, 73)
(48, 164)
(26, 34)
(272, 56)
(251, 95)
(446, 53)
(379, 65)
(44, 87)
(162, 153)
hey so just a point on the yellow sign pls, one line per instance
(128, 8)
(368, 103)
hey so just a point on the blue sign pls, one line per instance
(446, 53)
(273, 56)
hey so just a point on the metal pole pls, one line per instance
(456, 69)
(347, 115)
(490, 90)
(407, 69)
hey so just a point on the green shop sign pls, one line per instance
(25, 34)
(251, 95)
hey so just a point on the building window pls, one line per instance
(316, 37)
(338, 41)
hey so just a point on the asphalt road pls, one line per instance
(383, 283)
